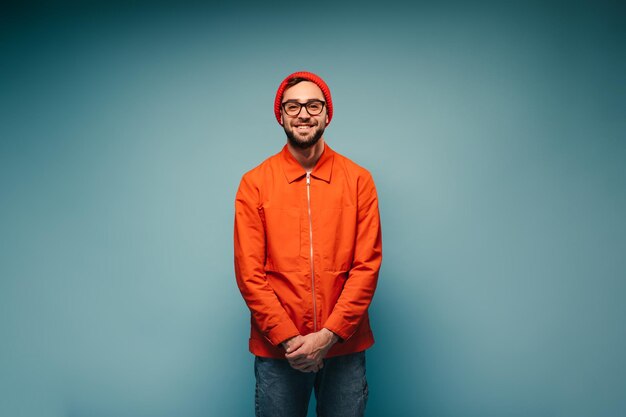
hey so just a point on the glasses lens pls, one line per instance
(314, 107)
(292, 108)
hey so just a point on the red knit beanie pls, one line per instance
(309, 76)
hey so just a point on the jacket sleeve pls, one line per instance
(267, 312)
(359, 288)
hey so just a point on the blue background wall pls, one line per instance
(497, 138)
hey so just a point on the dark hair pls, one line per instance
(294, 81)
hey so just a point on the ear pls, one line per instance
(326, 117)
(281, 120)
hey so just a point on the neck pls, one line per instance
(307, 158)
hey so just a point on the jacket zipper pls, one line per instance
(308, 198)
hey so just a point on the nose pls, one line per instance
(303, 113)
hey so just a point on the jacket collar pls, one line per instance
(293, 170)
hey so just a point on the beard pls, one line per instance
(304, 142)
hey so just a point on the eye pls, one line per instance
(292, 107)
(314, 106)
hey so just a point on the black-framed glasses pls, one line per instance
(313, 107)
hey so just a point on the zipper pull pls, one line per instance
(308, 178)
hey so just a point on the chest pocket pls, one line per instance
(339, 238)
(282, 231)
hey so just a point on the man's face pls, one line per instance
(302, 129)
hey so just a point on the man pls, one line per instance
(307, 254)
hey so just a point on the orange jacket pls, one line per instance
(290, 227)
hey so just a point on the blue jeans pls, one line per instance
(340, 388)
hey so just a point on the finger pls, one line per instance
(302, 358)
(317, 366)
(295, 345)
(303, 361)
(307, 359)
(302, 368)
(296, 367)
(297, 361)
(295, 355)
(311, 368)
(299, 351)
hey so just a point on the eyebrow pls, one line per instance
(308, 101)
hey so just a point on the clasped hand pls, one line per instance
(306, 353)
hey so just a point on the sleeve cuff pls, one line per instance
(344, 332)
(282, 332)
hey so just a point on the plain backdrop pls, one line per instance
(496, 135)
